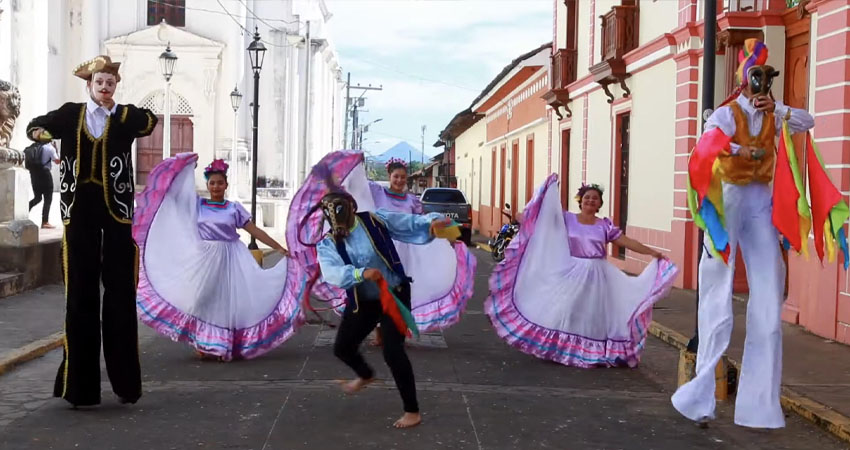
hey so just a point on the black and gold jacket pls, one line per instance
(106, 161)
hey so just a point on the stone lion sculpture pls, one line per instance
(10, 108)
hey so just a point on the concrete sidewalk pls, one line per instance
(816, 371)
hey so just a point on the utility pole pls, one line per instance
(355, 130)
(708, 60)
(347, 108)
(422, 155)
(351, 108)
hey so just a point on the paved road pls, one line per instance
(475, 392)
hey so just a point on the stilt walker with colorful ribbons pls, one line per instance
(732, 200)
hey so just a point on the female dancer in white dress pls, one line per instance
(442, 273)
(198, 283)
(556, 296)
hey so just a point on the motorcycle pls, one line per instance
(504, 237)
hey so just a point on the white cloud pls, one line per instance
(432, 57)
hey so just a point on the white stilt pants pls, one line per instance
(748, 221)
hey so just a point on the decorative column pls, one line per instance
(684, 247)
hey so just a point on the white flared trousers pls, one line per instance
(748, 220)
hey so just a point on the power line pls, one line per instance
(263, 20)
(246, 30)
(212, 11)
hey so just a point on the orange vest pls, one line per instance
(740, 170)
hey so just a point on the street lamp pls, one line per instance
(235, 101)
(166, 64)
(365, 129)
(256, 52)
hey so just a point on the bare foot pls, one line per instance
(47, 226)
(355, 385)
(408, 420)
(379, 338)
(207, 356)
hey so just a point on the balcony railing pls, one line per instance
(564, 68)
(619, 32)
(746, 5)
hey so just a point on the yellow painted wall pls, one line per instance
(583, 41)
(652, 149)
(599, 145)
(561, 30)
(469, 153)
(656, 19)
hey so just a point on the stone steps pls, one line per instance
(11, 283)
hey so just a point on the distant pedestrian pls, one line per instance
(39, 160)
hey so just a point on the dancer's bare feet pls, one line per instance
(379, 338)
(408, 420)
(207, 356)
(355, 385)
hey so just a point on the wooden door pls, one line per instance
(565, 169)
(514, 179)
(149, 148)
(500, 207)
(493, 206)
(529, 168)
(621, 210)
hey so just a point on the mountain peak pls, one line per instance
(402, 150)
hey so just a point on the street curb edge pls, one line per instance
(821, 415)
(30, 351)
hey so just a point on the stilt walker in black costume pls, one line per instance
(96, 205)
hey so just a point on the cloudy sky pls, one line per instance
(433, 57)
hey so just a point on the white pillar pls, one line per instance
(166, 123)
(234, 160)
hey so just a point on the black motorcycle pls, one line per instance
(506, 234)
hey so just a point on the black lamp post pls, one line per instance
(166, 64)
(256, 52)
(235, 101)
(708, 57)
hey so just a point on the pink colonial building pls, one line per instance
(624, 97)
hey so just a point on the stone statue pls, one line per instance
(10, 108)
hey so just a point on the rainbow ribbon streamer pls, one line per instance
(791, 215)
(705, 191)
(829, 210)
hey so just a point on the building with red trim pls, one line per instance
(626, 98)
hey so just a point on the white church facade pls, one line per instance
(301, 89)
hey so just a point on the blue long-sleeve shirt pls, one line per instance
(410, 228)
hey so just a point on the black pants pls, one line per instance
(356, 326)
(42, 186)
(98, 248)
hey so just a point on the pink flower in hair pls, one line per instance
(217, 166)
(393, 161)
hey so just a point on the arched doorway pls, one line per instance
(149, 149)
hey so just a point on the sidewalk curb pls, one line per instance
(30, 351)
(815, 412)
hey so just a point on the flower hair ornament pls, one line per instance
(217, 166)
(588, 187)
(396, 161)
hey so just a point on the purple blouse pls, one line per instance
(218, 222)
(590, 241)
(384, 198)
